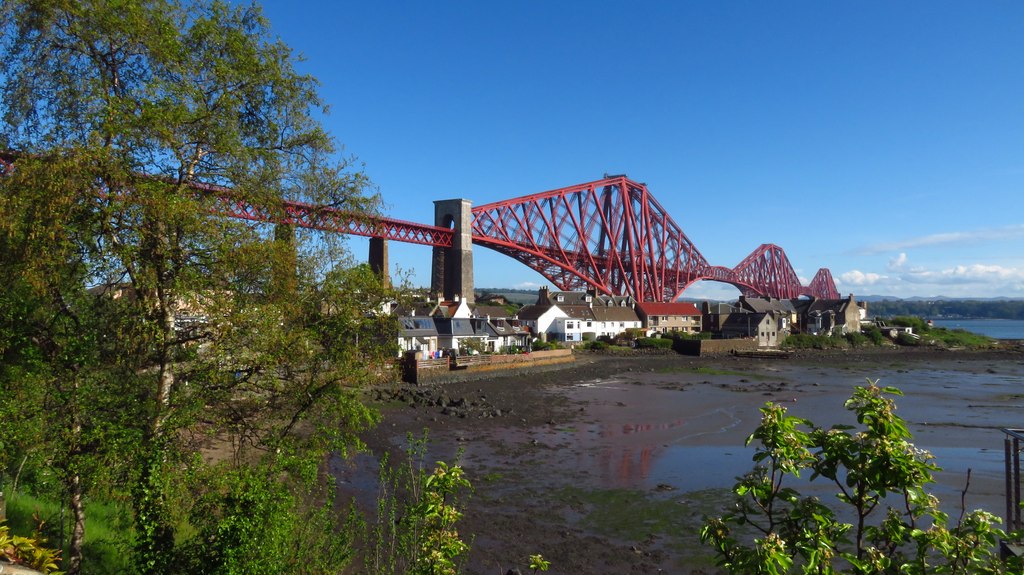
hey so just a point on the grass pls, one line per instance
(958, 338)
(107, 530)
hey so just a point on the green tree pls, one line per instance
(137, 323)
(880, 480)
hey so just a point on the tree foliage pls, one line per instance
(885, 522)
(139, 328)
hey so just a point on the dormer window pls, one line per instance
(559, 298)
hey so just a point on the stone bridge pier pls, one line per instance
(452, 268)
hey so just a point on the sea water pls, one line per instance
(997, 328)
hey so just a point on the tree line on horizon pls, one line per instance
(949, 309)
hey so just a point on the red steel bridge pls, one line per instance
(611, 235)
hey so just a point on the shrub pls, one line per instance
(857, 339)
(874, 334)
(880, 479)
(539, 345)
(920, 326)
(29, 551)
(653, 343)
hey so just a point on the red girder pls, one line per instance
(610, 235)
(767, 271)
(823, 286)
(331, 220)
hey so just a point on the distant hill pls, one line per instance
(870, 298)
(990, 308)
(516, 296)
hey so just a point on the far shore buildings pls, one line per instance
(439, 327)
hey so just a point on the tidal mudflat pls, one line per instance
(610, 466)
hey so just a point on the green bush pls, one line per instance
(920, 326)
(595, 345)
(880, 481)
(539, 345)
(653, 343)
(874, 334)
(857, 339)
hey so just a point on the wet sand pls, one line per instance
(610, 466)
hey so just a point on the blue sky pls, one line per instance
(884, 141)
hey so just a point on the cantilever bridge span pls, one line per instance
(611, 235)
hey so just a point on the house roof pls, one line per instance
(837, 306)
(498, 327)
(762, 305)
(533, 312)
(422, 326)
(454, 326)
(650, 308)
(493, 311)
(743, 322)
(614, 313)
(577, 311)
(570, 298)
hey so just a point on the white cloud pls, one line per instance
(859, 278)
(974, 236)
(966, 280)
(968, 274)
(898, 263)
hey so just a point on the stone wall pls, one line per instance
(427, 370)
(712, 347)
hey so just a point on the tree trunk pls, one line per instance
(78, 527)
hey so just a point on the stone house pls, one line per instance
(760, 326)
(783, 309)
(828, 317)
(660, 318)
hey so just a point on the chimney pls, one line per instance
(543, 296)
